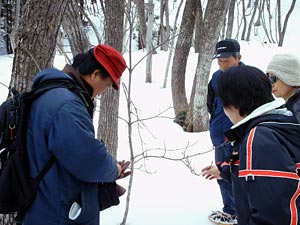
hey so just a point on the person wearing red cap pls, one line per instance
(60, 124)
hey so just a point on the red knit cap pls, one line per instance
(112, 61)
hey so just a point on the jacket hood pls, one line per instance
(49, 74)
(55, 74)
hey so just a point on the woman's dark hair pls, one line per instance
(245, 88)
(85, 63)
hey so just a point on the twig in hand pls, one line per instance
(209, 166)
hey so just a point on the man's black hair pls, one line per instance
(86, 63)
(245, 88)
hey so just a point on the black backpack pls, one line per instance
(17, 188)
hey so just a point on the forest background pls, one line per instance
(180, 35)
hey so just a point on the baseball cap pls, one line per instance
(226, 48)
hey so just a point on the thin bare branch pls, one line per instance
(4, 84)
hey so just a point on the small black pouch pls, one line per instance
(108, 195)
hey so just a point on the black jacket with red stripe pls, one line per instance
(265, 178)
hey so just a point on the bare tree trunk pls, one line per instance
(281, 32)
(238, 21)
(278, 18)
(197, 116)
(260, 11)
(167, 33)
(251, 20)
(164, 30)
(244, 20)
(142, 23)
(269, 36)
(222, 32)
(8, 21)
(171, 45)
(198, 22)
(109, 102)
(182, 51)
(149, 41)
(15, 27)
(36, 40)
(230, 19)
(161, 24)
(270, 17)
(73, 27)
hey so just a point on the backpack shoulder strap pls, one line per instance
(51, 84)
(61, 83)
(41, 89)
(46, 168)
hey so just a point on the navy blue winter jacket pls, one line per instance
(293, 104)
(219, 123)
(265, 169)
(60, 125)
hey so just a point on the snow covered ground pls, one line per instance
(168, 194)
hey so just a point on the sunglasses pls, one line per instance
(272, 78)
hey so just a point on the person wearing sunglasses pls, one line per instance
(283, 72)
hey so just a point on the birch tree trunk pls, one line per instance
(149, 41)
(197, 116)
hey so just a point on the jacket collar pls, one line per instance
(70, 71)
(272, 111)
(271, 107)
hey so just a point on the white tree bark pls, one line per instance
(149, 41)
(212, 23)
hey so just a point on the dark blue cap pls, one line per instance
(226, 48)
